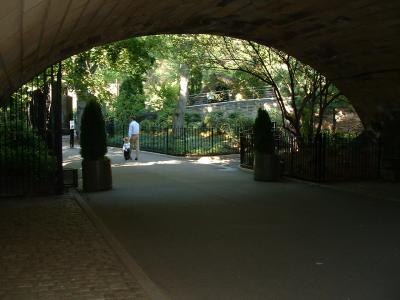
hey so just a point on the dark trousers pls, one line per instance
(71, 137)
(127, 154)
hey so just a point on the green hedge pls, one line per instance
(24, 152)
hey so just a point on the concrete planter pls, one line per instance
(266, 167)
(96, 175)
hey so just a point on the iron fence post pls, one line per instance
(380, 157)
(153, 133)
(241, 145)
(57, 134)
(212, 140)
(167, 141)
(316, 146)
(184, 141)
(323, 170)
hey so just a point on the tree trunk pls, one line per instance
(334, 120)
(179, 121)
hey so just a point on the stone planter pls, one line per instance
(96, 175)
(266, 167)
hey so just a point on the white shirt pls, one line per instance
(126, 146)
(133, 128)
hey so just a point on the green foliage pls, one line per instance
(131, 56)
(131, 98)
(196, 80)
(214, 119)
(166, 95)
(193, 119)
(161, 87)
(169, 95)
(165, 118)
(147, 124)
(234, 120)
(24, 151)
(246, 84)
(237, 119)
(191, 141)
(263, 135)
(275, 115)
(94, 70)
(84, 73)
(148, 68)
(93, 134)
(132, 85)
(173, 52)
(303, 93)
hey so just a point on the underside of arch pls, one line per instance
(354, 43)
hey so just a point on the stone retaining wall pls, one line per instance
(247, 107)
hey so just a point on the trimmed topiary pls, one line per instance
(93, 133)
(266, 163)
(263, 135)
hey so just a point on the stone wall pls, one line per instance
(246, 107)
(346, 119)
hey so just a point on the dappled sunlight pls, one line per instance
(148, 159)
(117, 160)
(206, 160)
(205, 134)
(72, 159)
(214, 160)
(149, 163)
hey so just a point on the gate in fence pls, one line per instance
(324, 158)
(30, 138)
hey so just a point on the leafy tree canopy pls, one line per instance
(146, 69)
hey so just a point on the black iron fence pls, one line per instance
(181, 141)
(324, 158)
(30, 138)
(246, 149)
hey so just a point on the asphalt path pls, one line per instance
(204, 229)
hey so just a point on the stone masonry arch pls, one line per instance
(354, 43)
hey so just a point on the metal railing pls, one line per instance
(30, 138)
(229, 95)
(182, 141)
(324, 158)
(247, 149)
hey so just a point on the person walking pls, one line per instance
(133, 134)
(126, 148)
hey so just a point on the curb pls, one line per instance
(127, 261)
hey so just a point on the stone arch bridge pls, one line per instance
(354, 43)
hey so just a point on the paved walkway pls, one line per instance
(51, 249)
(204, 229)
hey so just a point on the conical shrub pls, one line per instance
(263, 135)
(93, 133)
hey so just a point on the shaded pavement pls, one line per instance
(204, 229)
(50, 249)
